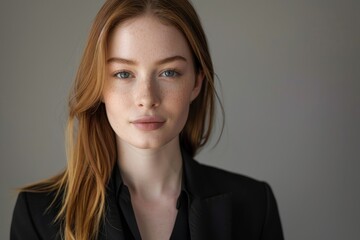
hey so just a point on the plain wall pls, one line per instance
(290, 77)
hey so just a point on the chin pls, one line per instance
(153, 143)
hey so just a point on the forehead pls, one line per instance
(147, 38)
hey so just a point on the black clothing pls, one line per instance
(130, 228)
(221, 206)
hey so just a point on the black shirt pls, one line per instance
(131, 231)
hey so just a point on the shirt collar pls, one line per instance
(118, 184)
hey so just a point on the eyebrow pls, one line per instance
(132, 62)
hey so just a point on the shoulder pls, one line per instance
(251, 202)
(247, 194)
(231, 181)
(34, 216)
(38, 201)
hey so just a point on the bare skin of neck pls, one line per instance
(153, 177)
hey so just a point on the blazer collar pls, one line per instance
(209, 205)
(200, 184)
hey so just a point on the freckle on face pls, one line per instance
(168, 98)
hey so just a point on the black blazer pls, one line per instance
(223, 206)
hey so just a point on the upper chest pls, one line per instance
(155, 220)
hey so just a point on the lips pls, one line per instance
(148, 123)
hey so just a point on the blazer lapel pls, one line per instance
(112, 227)
(209, 206)
(210, 218)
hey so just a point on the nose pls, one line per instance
(147, 94)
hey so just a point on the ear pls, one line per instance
(198, 83)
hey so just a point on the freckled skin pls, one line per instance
(146, 41)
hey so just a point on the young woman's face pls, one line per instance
(150, 83)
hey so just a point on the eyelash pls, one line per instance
(130, 75)
(120, 72)
(176, 73)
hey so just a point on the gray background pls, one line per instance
(290, 76)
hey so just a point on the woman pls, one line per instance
(142, 106)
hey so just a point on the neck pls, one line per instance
(151, 173)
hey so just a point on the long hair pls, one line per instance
(91, 143)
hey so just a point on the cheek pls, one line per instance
(178, 103)
(116, 106)
(115, 98)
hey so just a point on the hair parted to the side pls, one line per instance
(91, 143)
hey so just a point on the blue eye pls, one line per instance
(169, 73)
(122, 74)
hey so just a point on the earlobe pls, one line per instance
(198, 84)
